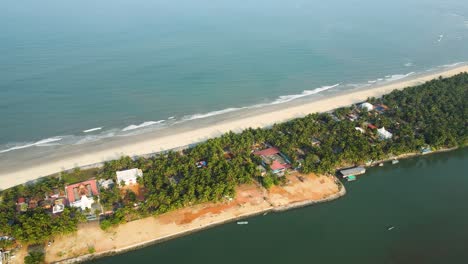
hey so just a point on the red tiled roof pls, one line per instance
(21, 200)
(372, 126)
(69, 189)
(267, 152)
(275, 165)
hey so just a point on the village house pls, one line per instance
(367, 106)
(274, 159)
(384, 134)
(81, 194)
(360, 130)
(128, 177)
(59, 205)
(315, 141)
(21, 205)
(381, 108)
(106, 184)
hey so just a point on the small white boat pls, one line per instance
(242, 222)
(390, 228)
(395, 161)
(380, 164)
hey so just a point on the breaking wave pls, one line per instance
(43, 142)
(288, 98)
(92, 129)
(135, 129)
(144, 124)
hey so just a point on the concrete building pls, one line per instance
(384, 134)
(367, 106)
(128, 176)
(81, 194)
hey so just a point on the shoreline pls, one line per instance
(155, 142)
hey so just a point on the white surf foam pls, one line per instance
(288, 98)
(408, 64)
(452, 65)
(213, 113)
(398, 77)
(43, 142)
(92, 129)
(144, 124)
(170, 118)
(93, 138)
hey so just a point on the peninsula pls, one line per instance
(101, 210)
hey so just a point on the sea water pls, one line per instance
(75, 72)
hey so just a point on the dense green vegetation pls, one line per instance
(34, 257)
(433, 114)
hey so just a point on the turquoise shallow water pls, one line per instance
(424, 199)
(68, 67)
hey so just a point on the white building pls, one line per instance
(360, 130)
(384, 134)
(106, 184)
(129, 176)
(367, 106)
(83, 203)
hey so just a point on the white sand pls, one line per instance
(151, 145)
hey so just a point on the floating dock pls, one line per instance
(353, 171)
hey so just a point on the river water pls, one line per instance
(423, 198)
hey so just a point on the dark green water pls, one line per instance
(424, 198)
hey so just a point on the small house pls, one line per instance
(106, 184)
(128, 176)
(381, 108)
(367, 106)
(360, 130)
(384, 134)
(59, 205)
(21, 205)
(32, 203)
(273, 158)
(201, 164)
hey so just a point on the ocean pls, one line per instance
(90, 71)
(423, 199)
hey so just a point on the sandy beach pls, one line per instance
(154, 143)
(250, 200)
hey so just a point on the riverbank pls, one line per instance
(184, 136)
(251, 200)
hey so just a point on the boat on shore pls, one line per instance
(351, 178)
(395, 161)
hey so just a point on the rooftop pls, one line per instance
(127, 175)
(87, 188)
(267, 152)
